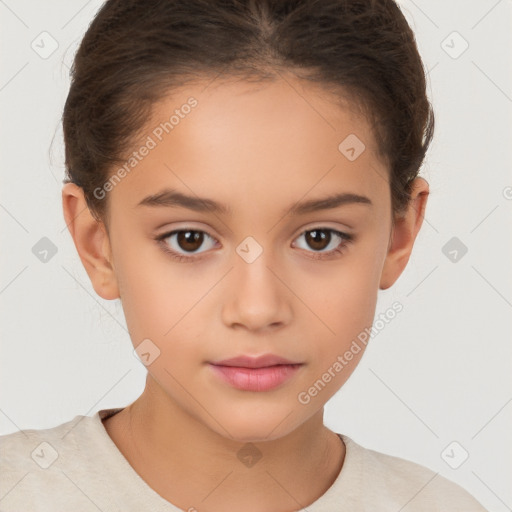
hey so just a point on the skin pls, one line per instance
(258, 149)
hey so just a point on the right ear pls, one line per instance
(91, 241)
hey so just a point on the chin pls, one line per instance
(256, 425)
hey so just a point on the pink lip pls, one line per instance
(254, 362)
(255, 373)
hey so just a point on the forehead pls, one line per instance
(237, 140)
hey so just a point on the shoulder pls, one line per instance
(37, 465)
(406, 484)
(26, 449)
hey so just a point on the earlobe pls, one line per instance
(91, 241)
(406, 228)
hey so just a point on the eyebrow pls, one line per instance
(173, 198)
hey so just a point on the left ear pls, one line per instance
(407, 226)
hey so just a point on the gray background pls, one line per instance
(438, 373)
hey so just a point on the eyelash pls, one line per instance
(347, 239)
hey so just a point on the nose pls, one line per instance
(255, 296)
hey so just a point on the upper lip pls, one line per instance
(254, 362)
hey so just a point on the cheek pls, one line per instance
(160, 307)
(344, 303)
(162, 311)
(346, 294)
(347, 310)
(155, 293)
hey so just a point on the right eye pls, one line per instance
(187, 240)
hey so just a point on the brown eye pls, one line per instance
(190, 240)
(318, 239)
(180, 243)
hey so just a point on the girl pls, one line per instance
(243, 176)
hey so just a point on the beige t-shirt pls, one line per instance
(77, 467)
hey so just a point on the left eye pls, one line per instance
(321, 238)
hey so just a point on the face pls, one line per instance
(248, 272)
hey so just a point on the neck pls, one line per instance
(190, 465)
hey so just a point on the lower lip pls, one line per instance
(256, 379)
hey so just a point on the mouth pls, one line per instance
(261, 373)
(263, 361)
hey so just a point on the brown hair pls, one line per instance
(136, 51)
